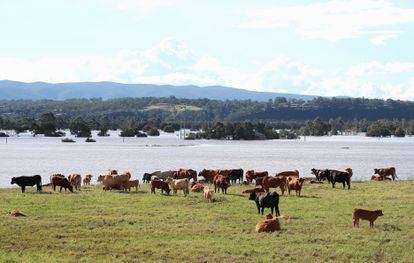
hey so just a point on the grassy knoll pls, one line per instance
(167, 107)
(91, 226)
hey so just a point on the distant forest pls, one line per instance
(235, 119)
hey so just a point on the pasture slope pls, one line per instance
(94, 226)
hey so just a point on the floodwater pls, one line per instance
(28, 155)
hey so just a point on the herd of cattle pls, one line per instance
(186, 179)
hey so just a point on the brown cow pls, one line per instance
(208, 194)
(133, 183)
(185, 173)
(386, 171)
(363, 214)
(221, 182)
(376, 177)
(272, 182)
(197, 187)
(16, 213)
(87, 179)
(62, 182)
(270, 224)
(75, 180)
(208, 174)
(294, 173)
(252, 175)
(295, 183)
(158, 184)
(120, 182)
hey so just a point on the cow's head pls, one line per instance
(376, 171)
(13, 180)
(269, 216)
(379, 212)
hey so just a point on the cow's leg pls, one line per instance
(349, 184)
(271, 209)
(277, 211)
(343, 184)
(333, 184)
(262, 209)
(258, 208)
(23, 189)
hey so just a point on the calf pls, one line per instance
(158, 184)
(208, 195)
(133, 183)
(295, 184)
(363, 214)
(270, 224)
(87, 179)
(221, 182)
(24, 181)
(266, 200)
(63, 182)
(197, 187)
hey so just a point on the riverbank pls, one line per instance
(92, 225)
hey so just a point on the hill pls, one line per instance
(109, 90)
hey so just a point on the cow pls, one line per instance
(120, 182)
(236, 174)
(208, 194)
(371, 216)
(158, 184)
(252, 175)
(221, 182)
(146, 178)
(266, 200)
(317, 173)
(62, 182)
(294, 173)
(386, 172)
(197, 187)
(75, 180)
(185, 173)
(24, 181)
(101, 179)
(133, 183)
(179, 184)
(16, 213)
(376, 177)
(268, 182)
(87, 179)
(294, 183)
(208, 174)
(270, 224)
(335, 176)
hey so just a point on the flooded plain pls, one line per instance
(28, 155)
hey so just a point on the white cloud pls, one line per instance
(141, 5)
(172, 62)
(337, 19)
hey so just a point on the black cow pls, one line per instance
(266, 200)
(146, 178)
(236, 174)
(319, 173)
(24, 181)
(335, 176)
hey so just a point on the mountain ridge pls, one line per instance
(10, 89)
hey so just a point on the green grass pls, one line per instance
(92, 225)
(179, 107)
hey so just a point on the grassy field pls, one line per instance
(180, 107)
(92, 225)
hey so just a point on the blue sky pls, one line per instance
(354, 48)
